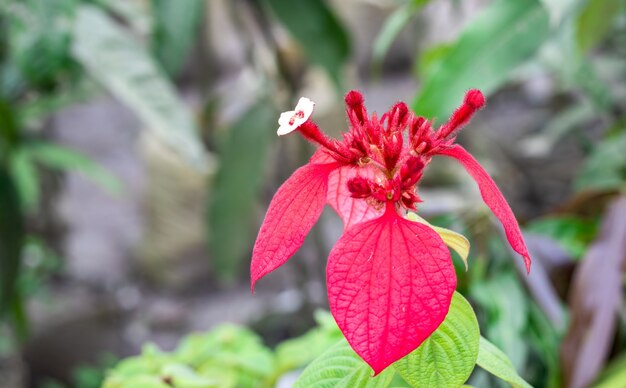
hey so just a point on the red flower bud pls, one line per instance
(411, 172)
(357, 114)
(474, 100)
(359, 187)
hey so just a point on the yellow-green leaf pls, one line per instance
(494, 361)
(454, 240)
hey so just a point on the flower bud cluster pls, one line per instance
(398, 146)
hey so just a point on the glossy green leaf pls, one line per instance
(176, 29)
(64, 158)
(115, 58)
(341, 367)
(491, 47)
(320, 33)
(236, 187)
(605, 167)
(494, 361)
(448, 356)
(595, 21)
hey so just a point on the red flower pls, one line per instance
(390, 280)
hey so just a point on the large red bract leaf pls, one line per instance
(351, 210)
(390, 282)
(294, 210)
(493, 198)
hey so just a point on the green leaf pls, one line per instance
(574, 234)
(9, 132)
(236, 186)
(229, 348)
(33, 113)
(135, 382)
(26, 177)
(505, 307)
(595, 21)
(39, 35)
(115, 58)
(431, 58)
(614, 375)
(183, 376)
(151, 361)
(12, 235)
(63, 158)
(176, 28)
(392, 27)
(494, 361)
(605, 167)
(448, 356)
(341, 367)
(321, 34)
(560, 55)
(491, 47)
(452, 239)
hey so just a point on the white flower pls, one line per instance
(292, 119)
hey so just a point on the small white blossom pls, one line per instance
(292, 119)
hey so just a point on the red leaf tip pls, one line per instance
(527, 262)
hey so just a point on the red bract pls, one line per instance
(390, 280)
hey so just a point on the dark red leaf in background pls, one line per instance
(594, 300)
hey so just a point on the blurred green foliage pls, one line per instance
(498, 41)
(237, 184)
(573, 233)
(227, 356)
(314, 25)
(175, 31)
(233, 356)
(605, 168)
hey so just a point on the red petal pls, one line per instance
(493, 198)
(321, 156)
(390, 282)
(295, 208)
(351, 210)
